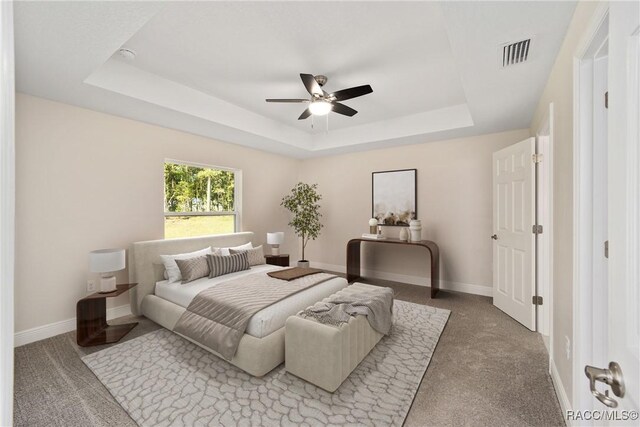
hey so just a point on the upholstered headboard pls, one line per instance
(145, 265)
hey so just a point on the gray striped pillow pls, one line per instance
(254, 255)
(193, 268)
(225, 264)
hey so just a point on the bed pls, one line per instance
(261, 348)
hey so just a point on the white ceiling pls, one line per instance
(206, 68)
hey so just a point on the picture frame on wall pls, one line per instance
(394, 196)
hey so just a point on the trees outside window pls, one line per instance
(199, 200)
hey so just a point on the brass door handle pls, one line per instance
(612, 377)
(494, 237)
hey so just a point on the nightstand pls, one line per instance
(282, 260)
(91, 317)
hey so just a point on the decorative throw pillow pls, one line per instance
(225, 251)
(221, 264)
(193, 268)
(254, 255)
(171, 268)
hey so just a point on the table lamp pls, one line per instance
(275, 240)
(106, 262)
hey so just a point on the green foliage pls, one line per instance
(194, 189)
(303, 204)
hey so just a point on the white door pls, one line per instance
(514, 241)
(624, 200)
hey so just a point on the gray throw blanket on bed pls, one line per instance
(376, 304)
(218, 316)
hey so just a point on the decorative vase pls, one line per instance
(373, 225)
(404, 234)
(415, 226)
(303, 264)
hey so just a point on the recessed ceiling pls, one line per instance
(206, 68)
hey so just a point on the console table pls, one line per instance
(353, 258)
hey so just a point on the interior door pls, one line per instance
(624, 203)
(513, 238)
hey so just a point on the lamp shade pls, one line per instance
(106, 260)
(275, 238)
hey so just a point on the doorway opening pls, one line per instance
(590, 184)
(523, 229)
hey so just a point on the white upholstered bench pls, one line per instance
(325, 355)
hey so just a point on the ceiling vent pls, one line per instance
(515, 53)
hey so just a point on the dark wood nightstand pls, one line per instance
(91, 317)
(282, 260)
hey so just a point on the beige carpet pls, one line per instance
(487, 370)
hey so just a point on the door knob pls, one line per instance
(494, 237)
(612, 377)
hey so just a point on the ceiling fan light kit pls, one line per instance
(321, 102)
(320, 107)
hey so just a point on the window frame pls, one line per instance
(237, 194)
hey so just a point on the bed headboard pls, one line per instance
(145, 265)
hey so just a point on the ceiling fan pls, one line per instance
(321, 102)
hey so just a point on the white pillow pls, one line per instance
(172, 272)
(225, 251)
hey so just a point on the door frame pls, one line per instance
(7, 210)
(544, 212)
(584, 334)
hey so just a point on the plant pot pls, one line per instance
(303, 263)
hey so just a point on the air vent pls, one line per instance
(515, 53)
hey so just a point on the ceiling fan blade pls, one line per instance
(306, 113)
(287, 100)
(352, 92)
(343, 109)
(311, 84)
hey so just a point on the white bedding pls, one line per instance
(265, 321)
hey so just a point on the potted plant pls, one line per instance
(302, 202)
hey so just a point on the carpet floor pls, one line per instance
(486, 370)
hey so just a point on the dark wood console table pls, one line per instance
(353, 258)
(91, 318)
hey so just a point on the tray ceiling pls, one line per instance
(206, 68)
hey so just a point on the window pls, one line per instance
(200, 200)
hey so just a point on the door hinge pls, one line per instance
(606, 99)
(536, 229)
(536, 158)
(536, 300)
(606, 249)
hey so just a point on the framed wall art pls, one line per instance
(394, 196)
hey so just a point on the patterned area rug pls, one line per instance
(161, 379)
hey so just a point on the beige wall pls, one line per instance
(454, 204)
(87, 180)
(559, 90)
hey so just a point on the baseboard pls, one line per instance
(330, 267)
(565, 404)
(52, 329)
(115, 312)
(447, 285)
